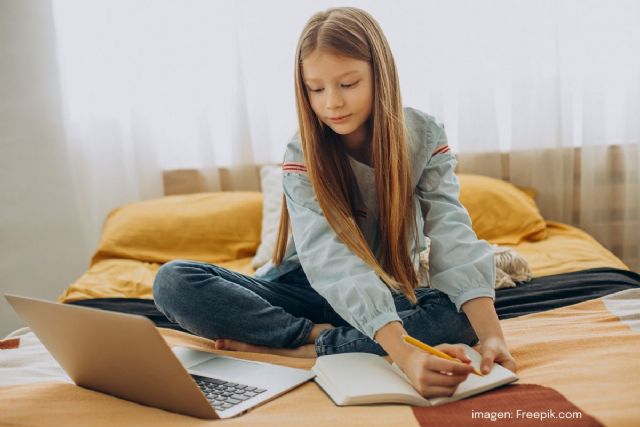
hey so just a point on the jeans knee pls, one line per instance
(166, 283)
(448, 325)
(463, 331)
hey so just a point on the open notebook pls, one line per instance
(364, 378)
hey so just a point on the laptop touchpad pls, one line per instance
(224, 367)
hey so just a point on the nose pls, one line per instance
(334, 99)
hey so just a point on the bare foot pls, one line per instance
(306, 351)
(317, 328)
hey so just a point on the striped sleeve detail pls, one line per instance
(440, 150)
(292, 167)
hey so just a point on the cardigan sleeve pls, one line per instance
(460, 265)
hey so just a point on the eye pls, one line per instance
(346, 86)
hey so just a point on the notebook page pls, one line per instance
(362, 374)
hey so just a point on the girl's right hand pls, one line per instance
(433, 376)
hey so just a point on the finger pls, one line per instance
(487, 361)
(456, 368)
(446, 380)
(510, 365)
(457, 352)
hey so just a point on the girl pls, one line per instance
(364, 182)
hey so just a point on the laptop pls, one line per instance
(124, 355)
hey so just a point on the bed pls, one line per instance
(574, 328)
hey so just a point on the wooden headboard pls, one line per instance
(230, 178)
(247, 177)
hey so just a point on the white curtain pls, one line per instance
(166, 84)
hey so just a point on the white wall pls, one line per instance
(41, 242)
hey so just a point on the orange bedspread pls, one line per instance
(587, 352)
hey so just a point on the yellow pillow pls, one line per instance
(500, 213)
(208, 227)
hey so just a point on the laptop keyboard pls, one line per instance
(223, 395)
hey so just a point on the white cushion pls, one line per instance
(271, 183)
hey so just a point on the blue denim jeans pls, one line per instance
(214, 302)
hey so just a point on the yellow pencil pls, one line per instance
(434, 351)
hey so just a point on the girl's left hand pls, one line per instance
(494, 349)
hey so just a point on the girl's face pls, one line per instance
(340, 87)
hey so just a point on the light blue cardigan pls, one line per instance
(460, 265)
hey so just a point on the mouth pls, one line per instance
(339, 118)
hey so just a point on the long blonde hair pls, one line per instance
(352, 32)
